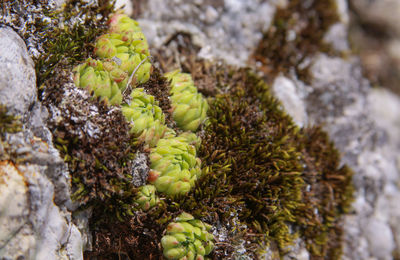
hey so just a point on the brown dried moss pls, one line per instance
(308, 21)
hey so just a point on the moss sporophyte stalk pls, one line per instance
(240, 163)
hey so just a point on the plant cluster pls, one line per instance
(258, 169)
(174, 166)
(277, 52)
(124, 53)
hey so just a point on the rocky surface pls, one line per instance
(227, 30)
(362, 121)
(34, 194)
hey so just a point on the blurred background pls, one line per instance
(375, 36)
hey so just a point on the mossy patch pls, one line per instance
(71, 41)
(260, 170)
(250, 146)
(296, 33)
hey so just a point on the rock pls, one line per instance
(227, 30)
(380, 238)
(140, 170)
(382, 12)
(125, 5)
(34, 194)
(337, 37)
(17, 77)
(14, 201)
(285, 90)
(368, 146)
(375, 34)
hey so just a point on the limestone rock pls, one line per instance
(228, 30)
(16, 92)
(34, 194)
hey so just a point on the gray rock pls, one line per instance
(379, 12)
(227, 30)
(369, 144)
(286, 91)
(140, 170)
(33, 226)
(34, 195)
(17, 77)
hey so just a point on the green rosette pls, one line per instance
(188, 106)
(93, 77)
(187, 238)
(146, 117)
(146, 197)
(174, 166)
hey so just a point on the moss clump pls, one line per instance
(328, 196)
(100, 162)
(278, 52)
(282, 181)
(67, 41)
(251, 155)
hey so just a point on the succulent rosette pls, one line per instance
(146, 197)
(146, 117)
(93, 77)
(126, 43)
(189, 107)
(174, 166)
(187, 238)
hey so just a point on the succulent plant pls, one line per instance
(92, 76)
(187, 238)
(146, 117)
(130, 50)
(189, 107)
(174, 166)
(146, 197)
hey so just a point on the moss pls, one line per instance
(71, 40)
(282, 181)
(329, 191)
(308, 22)
(99, 164)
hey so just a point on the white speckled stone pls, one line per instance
(285, 90)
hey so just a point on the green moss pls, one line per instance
(71, 41)
(330, 192)
(282, 181)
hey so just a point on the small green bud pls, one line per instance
(146, 197)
